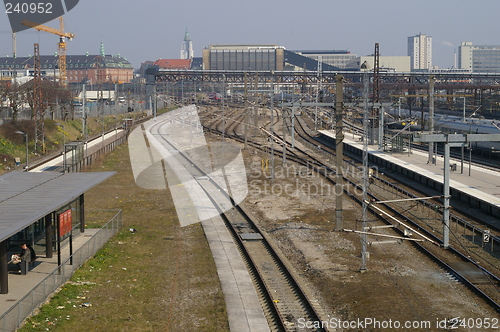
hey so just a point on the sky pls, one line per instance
(148, 30)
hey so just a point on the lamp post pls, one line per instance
(64, 146)
(222, 103)
(26, 137)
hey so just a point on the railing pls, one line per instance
(91, 158)
(25, 307)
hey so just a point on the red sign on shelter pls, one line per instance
(65, 223)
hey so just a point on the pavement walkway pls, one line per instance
(482, 183)
(26, 292)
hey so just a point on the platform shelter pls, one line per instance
(45, 210)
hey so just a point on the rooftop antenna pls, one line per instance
(14, 45)
(454, 58)
(364, 217)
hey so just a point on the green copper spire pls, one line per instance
(102, 53)
(186, 36)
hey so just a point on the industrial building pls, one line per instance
(479, 59)
(336, 58)
(386, 63)
(261, 58)
(243, 57)
(420, 52)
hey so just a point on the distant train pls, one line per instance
(214, 96)
(459, 125)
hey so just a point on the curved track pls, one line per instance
(447, 259)
(282, 298)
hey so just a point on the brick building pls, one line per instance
(80, 68)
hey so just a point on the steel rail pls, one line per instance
(276, 311)
(321, 169)
(447, 267)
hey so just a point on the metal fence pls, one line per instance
(91, 158)
(26, 306)
(91, 110)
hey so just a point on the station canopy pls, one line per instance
(27, 197)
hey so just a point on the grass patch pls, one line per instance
(13, 145)
(160, 278)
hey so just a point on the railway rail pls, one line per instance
(479, 160)
(282, 297)
(460, 217)
(449, 260)
(453, 259)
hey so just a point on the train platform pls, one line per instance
(20, 286)
(56, 164)
(242, 304)
(480, 189)
(179, 131)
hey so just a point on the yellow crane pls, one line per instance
(61, 46)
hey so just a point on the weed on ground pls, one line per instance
(152, 276)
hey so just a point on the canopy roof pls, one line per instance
(27, 197)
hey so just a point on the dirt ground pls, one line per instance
(158, 277)
(400, 284)
(163, 278)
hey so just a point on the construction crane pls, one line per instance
(61, 46)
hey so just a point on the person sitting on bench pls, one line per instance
(27, 255)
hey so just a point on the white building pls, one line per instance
(187, 51)
(465, 55)
(336, 58)
(387, 63)
(420, 52)
(479, 59)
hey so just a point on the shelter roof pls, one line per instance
(27, 197)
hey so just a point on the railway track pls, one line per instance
(48, 159)
(468, 223)
(485, 163)
(282, 297)
(452, 261)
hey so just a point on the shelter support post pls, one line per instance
(4, 273)
(58, 239)
(82, 213)
(71, 248)
(446, 197)
(49, 229)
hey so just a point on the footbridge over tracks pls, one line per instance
(400, 81)
(482, 87)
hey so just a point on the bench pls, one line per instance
(25, 266)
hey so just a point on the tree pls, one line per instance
(54, 96)
(11, 97)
